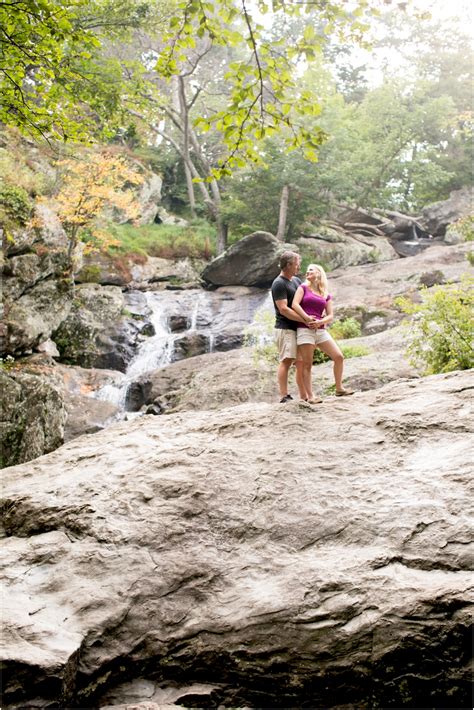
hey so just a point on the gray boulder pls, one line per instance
(439, 215)
(216, 547)
(35, 294)
(99, 331)
(252, 261)
(149, 198)
(32, 318)
(33, 415)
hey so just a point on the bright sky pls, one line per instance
(442, 9)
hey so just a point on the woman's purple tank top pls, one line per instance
(313, 304)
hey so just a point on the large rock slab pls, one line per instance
(252, 261)
(287, 556)
(222, 379)
(375, 286)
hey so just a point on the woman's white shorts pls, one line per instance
(306, 336)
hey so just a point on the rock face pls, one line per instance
(33, 415)
(36, 296)
(376, 285)
(236, 550)
(439, 215)
(335, 249)
(99, 330)
(134, 271)
(253, 261)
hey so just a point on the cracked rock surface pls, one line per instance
(262, 555)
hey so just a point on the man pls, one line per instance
(283, 291)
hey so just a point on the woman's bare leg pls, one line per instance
(305, 354)
(332, 350)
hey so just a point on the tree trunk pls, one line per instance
(285, 194)
(190, 186)
(222, 230)
(184, 112)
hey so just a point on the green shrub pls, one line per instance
(464, 227)
(15, 203)
(346, 328)
(441, 327)
(347, 350)
(354, 351)
(7, 363)
(373, 257)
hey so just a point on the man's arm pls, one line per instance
(289, 313)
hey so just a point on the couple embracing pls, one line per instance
(302, 312)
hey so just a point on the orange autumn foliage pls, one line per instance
(90, 186)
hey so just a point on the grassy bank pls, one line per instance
(196, 241)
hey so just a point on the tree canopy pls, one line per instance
(57, 78)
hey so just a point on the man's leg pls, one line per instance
(283, 370)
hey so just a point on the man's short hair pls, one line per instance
(287, 257)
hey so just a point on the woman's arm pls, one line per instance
(329, 317)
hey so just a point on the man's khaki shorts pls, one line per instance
(286, 343)
(305, 336)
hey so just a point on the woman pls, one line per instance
(312, 299)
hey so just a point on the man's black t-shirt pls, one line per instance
(284, 288)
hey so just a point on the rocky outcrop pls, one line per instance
(85, 413)
(36, 296)
(31, 320)
(375, 286)
(222, 549)
(136, 271)
(439, 215)
(336, 249)
(33, 415)
(99, 331)
(252, 261)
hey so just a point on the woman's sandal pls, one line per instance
(344, 392)
(314, 400)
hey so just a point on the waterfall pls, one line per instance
(210, 316)
(156, 351)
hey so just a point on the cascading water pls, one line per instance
(208, 316)
(156, 351)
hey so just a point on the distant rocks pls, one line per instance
(336, 249)
(439, 215)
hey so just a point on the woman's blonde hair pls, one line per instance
(321, 281)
